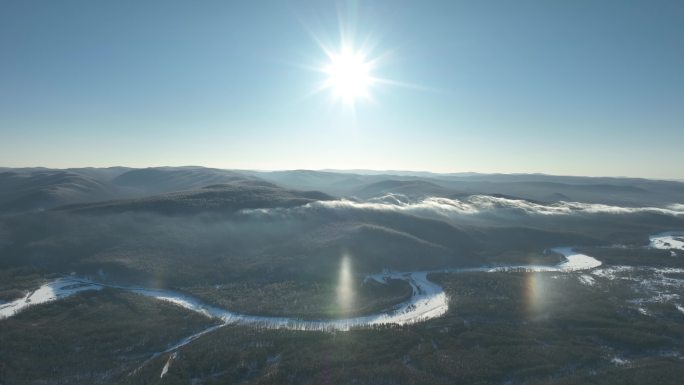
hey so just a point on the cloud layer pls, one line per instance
(476, 205)
(480, 204)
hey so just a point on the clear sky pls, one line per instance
(583, 87)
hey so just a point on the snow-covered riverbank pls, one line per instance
(57, 289)
(428, 301)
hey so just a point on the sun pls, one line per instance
(348, 75)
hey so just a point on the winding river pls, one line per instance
(427, 301)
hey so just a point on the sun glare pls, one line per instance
(349, 75)
(345, 286)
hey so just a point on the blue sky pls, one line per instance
(580, 87)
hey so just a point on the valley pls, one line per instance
(278, 264)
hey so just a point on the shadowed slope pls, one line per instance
(157, 180)
(220, 198)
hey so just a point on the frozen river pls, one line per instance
(427, 301)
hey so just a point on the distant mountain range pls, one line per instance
(30, 189)
(537, 187)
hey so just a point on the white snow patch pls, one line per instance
(615, 272)
(576, 261)
(587, 279)
(668, 241)
(664, 297)
(617, 361)
(643, 311)
(649, 284)
(166, 367)
(57, 289)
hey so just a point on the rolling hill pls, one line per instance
(25, 190)
(219, 198)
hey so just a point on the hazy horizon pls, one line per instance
(369, 171)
